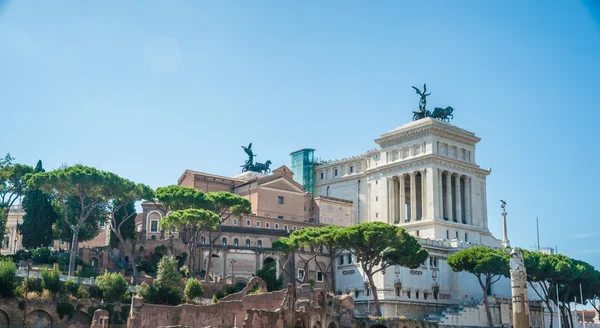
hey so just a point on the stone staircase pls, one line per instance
(464, 314)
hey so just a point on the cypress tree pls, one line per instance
(36, 229)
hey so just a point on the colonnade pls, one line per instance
(409, 195)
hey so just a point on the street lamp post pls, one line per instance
(23, 256)
(232, 262)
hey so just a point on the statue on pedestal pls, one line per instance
(442, 114)
(249, 165)
(518, 284)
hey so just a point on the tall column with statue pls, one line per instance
(518, 285)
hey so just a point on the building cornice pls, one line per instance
(423, 127)
(426, 160)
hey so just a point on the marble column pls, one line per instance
(448, 204)
(468, 217)
(440, 195)
(402, 198)
(458, 204)
(390, 202)
(413, 196)
(423, 195)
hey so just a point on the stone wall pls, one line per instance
(41, 314)
(302, 307)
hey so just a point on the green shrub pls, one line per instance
(86, 272)
(8, 277)
(82, 292)
(215, 299)
(41, 255)
(185, 271)
(94, 292)
(219, 295)
(32, 284)
(71, 286)
(64, 309)
(113, 286)
(193, 289)
(146, 265)
(165, 288)
(160, 249)
(51, 280)
(22, 255)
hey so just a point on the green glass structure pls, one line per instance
(303, 162)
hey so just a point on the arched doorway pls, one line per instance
(331, 325)
(180, 261)
(378, 325)
(4, 319)
(78, 319)
(268, 262)
(38, 319)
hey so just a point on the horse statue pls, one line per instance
(262, 167)
(443, 114)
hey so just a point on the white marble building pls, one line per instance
(424, 177)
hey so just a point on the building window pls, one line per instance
(321, 175)
(356, 294)
(417, 294)
(236, 242)
(277, 226)
(447, 234)
(351, 169)
(466, 237)
(285, 227)
(319, 276)
(376, 198)
(435, 292)
(418, 235)
(341, 260)
(202, 240)
(368, 291)
(293, 228)
(247, 242)
(408, 294)
(234, 221)
(377, 215)
(431, 261)
(267, 225)
(248, 223)
(301, 274)
(258, 224)
(456, 234)
(397, 291)
(321, 249)
(280, 217)
(335, 172)
(424, 295)
(154, 226)
(349, 258)
(259, 244)
(224, 241)
(280, 200)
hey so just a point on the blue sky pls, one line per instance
(149, 89)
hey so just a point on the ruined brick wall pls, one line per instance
(41, 314)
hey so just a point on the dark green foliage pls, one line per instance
(269, 275)
(21, 255)
(113, 286)
(39, 217)
(165, 289)
(179, 197)
(51, 280)
(127, 229)
(71, 287)
(82, 292)
(32, 284)
(41, 255)
(93, 291)
(90, 227)
(193, 289)
(8, 278)
(12, 185)
(147, 265)
(65, 309)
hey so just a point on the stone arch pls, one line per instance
(78, 319)
(267, 262)
(94, 262)
(331, 325)
(4, 322)
(300, 323)
(38, 319)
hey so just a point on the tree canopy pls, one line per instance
(36, 228)
(88, 186)
(179, 198)
(487, 264)
(377, 246)
(12, 186)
